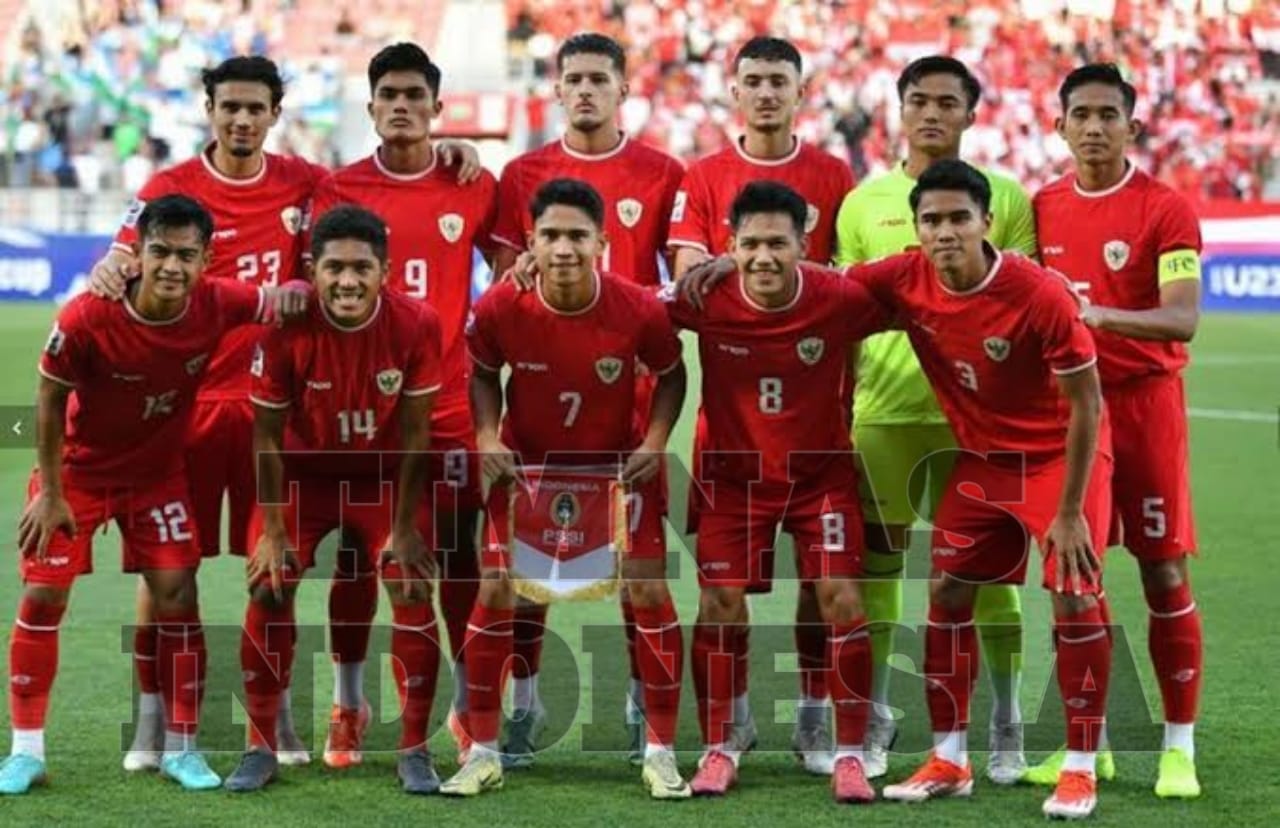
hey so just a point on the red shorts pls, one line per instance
(989, 513)
(739, 524)
(361, 510)
(648, 539)
(1151, 486)
(455, 466)
(220, 461)
(154, 521)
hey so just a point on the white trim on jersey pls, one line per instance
(1065, 372)
(155, 323)
(55, 378)
(595, 300)
(986, 280)
(742, 288)
(277, 406)
(234, 182)
(1112, 190)
(738, 145)
(582, 156)
(377, 308)
(420, 392)
(418, 176)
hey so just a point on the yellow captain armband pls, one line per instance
(1178, 264)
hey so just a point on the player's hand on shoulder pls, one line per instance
(47, 514)
(110, 274)
(1072, 545)
(497, 462)
(524, 273)
(701, 278)
(463, 156)
(290, 300)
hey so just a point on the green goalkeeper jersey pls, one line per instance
(875, 221)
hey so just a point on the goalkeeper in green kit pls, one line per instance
(900, 433)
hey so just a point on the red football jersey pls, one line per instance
(135, 380)
(638, 185)
(257, 238)
(1109, 245)
(992, 352)
(433, 225)
(342, 386)
(700, 217)
(572, 386)
(771, 378)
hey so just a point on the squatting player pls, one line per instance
(341, 427)
(1131, 245)
(773, 342)
(117, 391)
(572, 346)
(899, 431)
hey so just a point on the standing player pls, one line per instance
(773, 344)
(638, 185)
(899, 430)
(352, 387)
(1014, 367)
(572, 345)
(117, 389)
(768, 89)
(434, 222)
(258, 201)
(1132, 246)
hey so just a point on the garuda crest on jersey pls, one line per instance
(389, 381)
(451, 225)
(194, 364)
(1116, 253)
(608, 369)
(810, 349)
(997, 348)
(629, 211)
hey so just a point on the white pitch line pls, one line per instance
(1234, 415)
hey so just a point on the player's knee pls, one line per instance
(495, 590)
(1163, 576)
(951, 593)
(647, 592)
(46, 595)
(840, 600)
(1068, 606)
(173, 591)
(721, 605)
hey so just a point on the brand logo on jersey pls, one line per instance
(810, 349)
(677, 206)
(565, 510)
(451, 225)
(996, 347)
(1116, 253)
(811, 216)
(734, 350)
(608, 369)
(629, 211)
(293, 219)
(133, 212)
(195, 364)
(389, 381)
(315, 385)
(229, 233)
(1054, 250)
(259, 359)
(56, 340)
(128, 377)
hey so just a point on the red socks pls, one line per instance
(1176, 642)
(489, 644)
(950, 667)
(849, 649)
(181, 661)
(415, 652)
(529, 627)
(266, 658)
(714, 662)
(353, 602)
(1084, 668)
(629, 628)
(144, 658)
(659, 656)
(811, 650)
(33, 662)
(459, 583)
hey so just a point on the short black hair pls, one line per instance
(347, 221)
(956, 175)
(921, 68)
(404, 57)
(172, 212)
(773, 49)
(593, 43)
(248, 69)
(1107, 74)
(768, 197)
(568, 192)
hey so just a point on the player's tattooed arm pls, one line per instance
(268, 558)
(464, 156)
(687, 257)
(287, 302)
(1175, 320)
(643, 464)
(497, 462)
(1069, 535)
(408, 548)
(49, 512)
(110, 274)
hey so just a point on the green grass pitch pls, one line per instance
(584, 779)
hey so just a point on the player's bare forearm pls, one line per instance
(503, 258)
(687, 257)
(51, 424)
(1083, 392)
(486, 404)
(668, 400)
(1174, 321)
(415, 439)
(268, 443)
